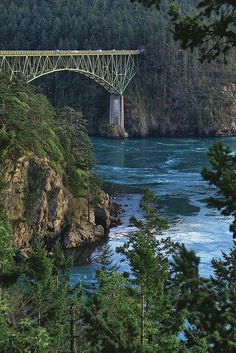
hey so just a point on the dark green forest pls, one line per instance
(173, 94)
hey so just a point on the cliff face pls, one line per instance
(38, 205)
(210, 117)
(141, 123)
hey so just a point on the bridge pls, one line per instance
(112, 69)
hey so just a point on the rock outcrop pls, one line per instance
(39, 205)
(112, 131)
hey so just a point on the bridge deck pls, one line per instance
(12, 53)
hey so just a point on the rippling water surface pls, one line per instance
(170, 167)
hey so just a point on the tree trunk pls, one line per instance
(73, 348)
(39, 317)
(142, 316)
(88, 196)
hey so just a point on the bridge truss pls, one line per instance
(112, 69)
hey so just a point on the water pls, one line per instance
(170, 167)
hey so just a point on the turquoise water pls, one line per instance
(170, 167)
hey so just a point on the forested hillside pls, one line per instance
(173, 94)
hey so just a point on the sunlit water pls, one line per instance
(171, 168)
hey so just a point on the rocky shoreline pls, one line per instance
(133, 131)
(92, 233)
(82, 254)
(39, 205)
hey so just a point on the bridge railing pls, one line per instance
(15, 53)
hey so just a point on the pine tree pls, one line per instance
(9, 272)
(185, 265)
(223, 176)
(110, 317)
(46, 289)
(18, 333)
(211, 302)
(150, 270)
(211, 314)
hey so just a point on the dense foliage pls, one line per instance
(223, 176)
(211, 28)
(30, 126)
(171, 85)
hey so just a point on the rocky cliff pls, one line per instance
(39, 205)
(204, 111)
(200, 116)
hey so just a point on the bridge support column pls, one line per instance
(117, 114)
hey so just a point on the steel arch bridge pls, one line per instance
(112, 69)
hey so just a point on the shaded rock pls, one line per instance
(113, 131)
(115, 211)
(99, 232)
(35, 199)
(24, 253)
(78, 236)
(40, 206)
(102, 217)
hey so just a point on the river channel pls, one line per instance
(170, 167)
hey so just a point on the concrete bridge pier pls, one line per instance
(117, 114)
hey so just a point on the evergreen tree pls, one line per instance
(47, 287)
(223, 176)
(6, 250)
(214, 37)
(110, 317)
(210, 303)
(211, 29)
(211, 311)
(19, 334)
(149, 266)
